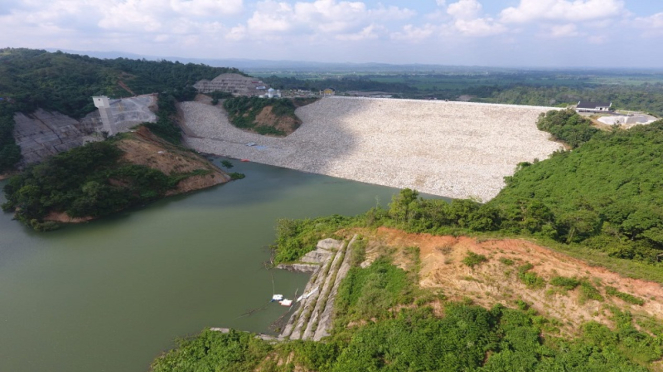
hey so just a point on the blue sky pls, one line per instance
(536, 33)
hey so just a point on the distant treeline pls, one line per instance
(343, 84)
(645, 97)
(527, 88)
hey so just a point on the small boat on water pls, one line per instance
(277, 297)
(286, 302)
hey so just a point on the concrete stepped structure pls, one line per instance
(236, 84)
(313, 317)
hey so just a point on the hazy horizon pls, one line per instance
(484, 33)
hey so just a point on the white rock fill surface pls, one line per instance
(452, 149)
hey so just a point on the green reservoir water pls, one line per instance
(111, 295)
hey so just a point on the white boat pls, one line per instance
(286, 302)
(277, 297)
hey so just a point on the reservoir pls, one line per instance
(111, 295)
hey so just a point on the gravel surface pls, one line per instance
(452, 149)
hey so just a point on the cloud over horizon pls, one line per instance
(479, 32)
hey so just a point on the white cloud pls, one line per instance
(564, 10)
(598, 39)
(414, 34)
(479, 27)
(654, 21)
(653, 25)
(367, 33)
(464, 9)
(341, 19)
(207, 8)
(567, 30)
(164, 15)
(468, 20)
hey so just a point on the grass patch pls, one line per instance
(568, 284)
(589, 292)
(371, 292)
(506, 261)
(612, 291)
(530, 279)
(472, 259)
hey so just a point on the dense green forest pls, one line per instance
(567, 126)
(65, 82)
(88, 181)
(10, 153)
(31, 79)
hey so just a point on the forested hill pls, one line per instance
(65, 82)
(31, 79)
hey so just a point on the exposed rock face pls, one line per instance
(43, 134)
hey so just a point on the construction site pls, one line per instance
(451, 149)
(236, 84)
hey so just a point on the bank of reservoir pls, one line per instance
(112, 294)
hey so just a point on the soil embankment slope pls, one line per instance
(144, 148)
(497, 280)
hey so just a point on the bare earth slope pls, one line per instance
(451, 149)
(495, 282)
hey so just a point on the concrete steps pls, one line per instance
(313, 317)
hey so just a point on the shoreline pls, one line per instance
(312, 316)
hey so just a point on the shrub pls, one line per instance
(567, 283)
(612, 291)
(589, 292)
(472, 259)
(506, 261)
(530, 279)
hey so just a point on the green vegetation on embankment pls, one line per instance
(62, 82)
(602, 202)
(384, 321)
(273, 116)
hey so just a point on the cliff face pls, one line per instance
(43, 134)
